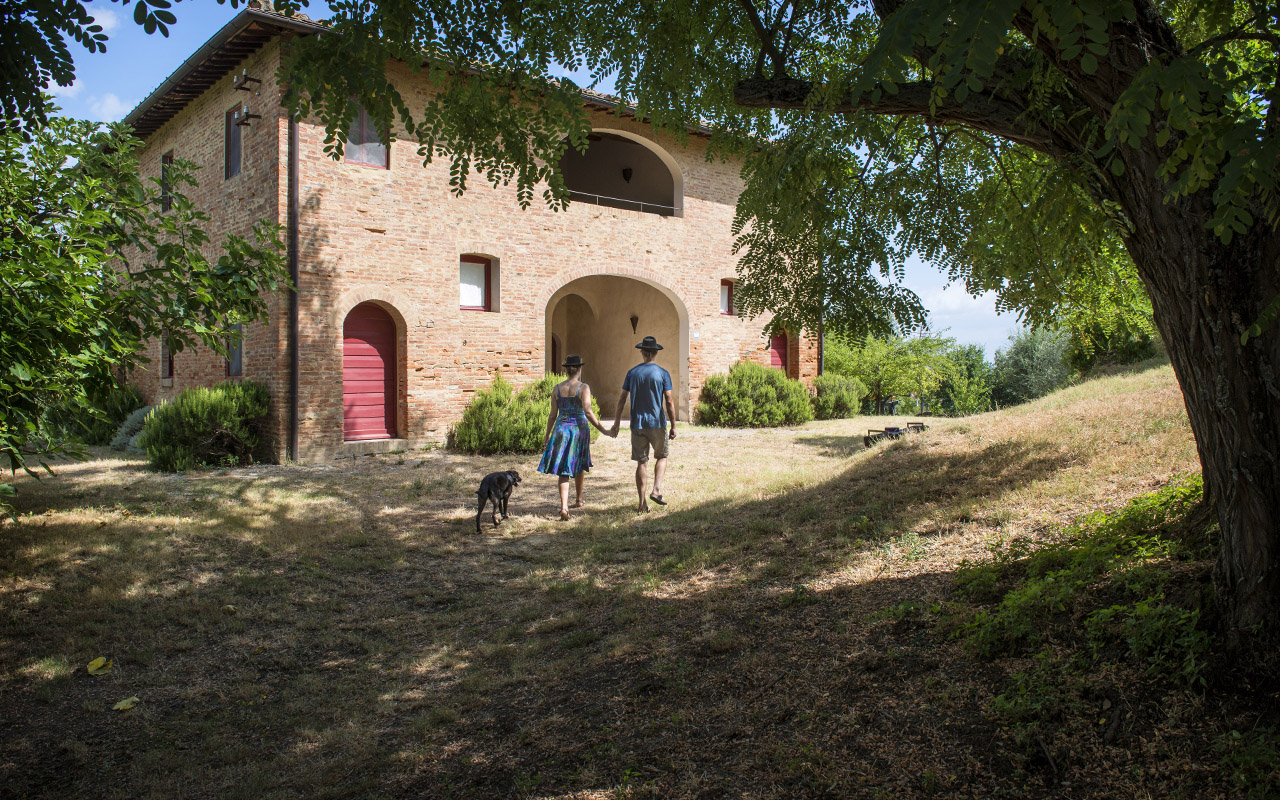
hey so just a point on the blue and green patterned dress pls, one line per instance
(568, 451)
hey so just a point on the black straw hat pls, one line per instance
(649, 343)
(572, 361)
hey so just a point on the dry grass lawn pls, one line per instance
(341, 631)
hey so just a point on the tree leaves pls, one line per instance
(92, 270)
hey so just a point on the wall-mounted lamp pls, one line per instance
(626, 174)
(241, 83)
(634, 322)
(243, 117)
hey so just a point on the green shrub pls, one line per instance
(837, 396)
(753, 396)
(500, 420)
(130, 428)
(218, 426)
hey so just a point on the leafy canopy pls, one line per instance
(964, 133)
(92, 269)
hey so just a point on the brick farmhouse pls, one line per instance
(410, 299)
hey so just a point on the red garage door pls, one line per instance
(368, 374)
(778, 351)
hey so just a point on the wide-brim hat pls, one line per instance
(649, 343)
(572, 361)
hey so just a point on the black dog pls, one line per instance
(496, 488)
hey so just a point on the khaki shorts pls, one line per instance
(642, 438)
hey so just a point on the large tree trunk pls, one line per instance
(1205, 294)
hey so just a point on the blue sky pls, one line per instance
(109, 85)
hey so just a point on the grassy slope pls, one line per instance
(341, 630)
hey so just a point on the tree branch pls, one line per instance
(766, 36)
(994, 114)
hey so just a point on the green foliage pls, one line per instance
(837, 396)
(896, 366)
(500, 420)
(217, 426)
(96, 424)
(966, 388)
(1093, 346)
(1251, 761)
(1034, 592)
(1102, 594)
(753, 396)
(1033, 365)
(92, 270)
(130, 427)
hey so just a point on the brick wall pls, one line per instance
(394, 236)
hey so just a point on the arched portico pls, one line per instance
(622, 169)
(592, 317)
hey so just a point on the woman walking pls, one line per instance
(566, 450)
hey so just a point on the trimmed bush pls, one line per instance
(753, 396)
(131, 427)
(837, 396)
(500, 420)
(218, 426)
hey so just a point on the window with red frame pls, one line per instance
(166, 358)
(475, 283)
(726, 297)
(364, 142)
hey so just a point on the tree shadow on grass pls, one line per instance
(679, 651)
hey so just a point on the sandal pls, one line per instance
(657, 498)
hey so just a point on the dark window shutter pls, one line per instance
(231, 148)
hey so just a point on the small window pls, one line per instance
(166, 196)
(231, 144)
(364, 142)
(166, 358)
(235, 352)
(726, 297)
(475, 283)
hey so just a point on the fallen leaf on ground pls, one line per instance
(126, 704)
(99, 665)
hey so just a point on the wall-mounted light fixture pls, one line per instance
(243, 117)
(626, 174)
(241, 83)
(634, 322)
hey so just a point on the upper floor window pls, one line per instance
(166, 196)
(166, 358)
(235, 352)
(726, 297)
(364, 142)
(477, 277)
(622, 172)
(231, 144)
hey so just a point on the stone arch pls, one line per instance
(638, 196)
(676, 358)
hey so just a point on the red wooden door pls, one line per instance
(778, 351)
(368, 374)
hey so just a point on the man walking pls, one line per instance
(649, 386)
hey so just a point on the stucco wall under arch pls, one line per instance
(607, 342)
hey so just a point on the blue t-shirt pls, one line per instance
(646, 383)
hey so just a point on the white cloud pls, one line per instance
(66, 92)
(109, 107)
(108, 19)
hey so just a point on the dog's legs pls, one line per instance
(479, 511)
(505, 496)
(497, 503)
